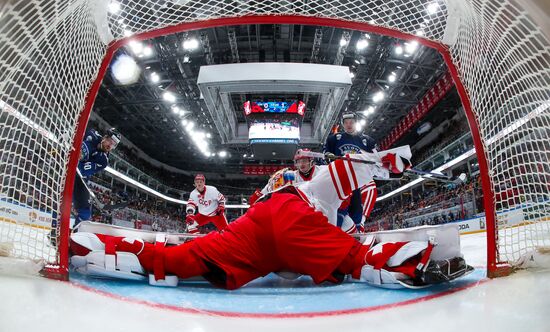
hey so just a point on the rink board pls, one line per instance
(272, 296)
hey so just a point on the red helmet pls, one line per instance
(301, 155)
(200, 177)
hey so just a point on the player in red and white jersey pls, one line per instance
(305, 166)
(205, 205)
(305, 171)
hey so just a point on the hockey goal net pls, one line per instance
(53, 55)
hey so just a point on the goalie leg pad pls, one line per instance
(124, 265)
(381, 277)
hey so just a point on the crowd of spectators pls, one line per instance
(455, 130)
(441, 204)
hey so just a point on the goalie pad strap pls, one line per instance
(158, 261)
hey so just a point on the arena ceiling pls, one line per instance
(143, 115)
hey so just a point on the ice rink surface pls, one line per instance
(520, 302)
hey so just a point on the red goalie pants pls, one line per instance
(219, 220)
(282, 233)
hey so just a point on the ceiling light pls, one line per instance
(343, 42)
(222, 154)
(411, 47)
(147, 51)
(432, 8)
(184, 123)
(358, 127)
(244, 155)
(208, 135)
(136, 47)
(362, 44)
(368, 111)
(363, 122)
(125, 70)
(175, 109)
(114, 7)
(154, 77)
(398, 50)
(168, 96)
(392, 77)
(191, 44)
(185, 58)
(379, 96)
(357, 61)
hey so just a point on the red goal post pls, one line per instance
(54, 55)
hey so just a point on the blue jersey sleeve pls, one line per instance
(330, 145)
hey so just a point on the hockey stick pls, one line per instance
(95, 200)
(427, 175)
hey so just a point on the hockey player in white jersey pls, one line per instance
(305, 166)
(205, 205)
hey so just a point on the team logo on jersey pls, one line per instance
(349, 149)
(205, 202)
(338, 136)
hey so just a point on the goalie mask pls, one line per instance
(280, 179)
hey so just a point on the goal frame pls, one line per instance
(494, 267)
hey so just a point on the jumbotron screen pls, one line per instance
(298, 107)
(287, 129)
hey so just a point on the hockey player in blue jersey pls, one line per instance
(350, 142)
(94, 157)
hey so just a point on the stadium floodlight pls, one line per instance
(147, 51)
(222, 154)
(411, 47)
(168, 96)
(154, 77)
(379, 96)
(125, 70)
(398, 50)
(136, 47)
(362, 44)
(432, 8)
(190, 44)
(113, 7)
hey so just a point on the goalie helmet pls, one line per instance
(280, 179)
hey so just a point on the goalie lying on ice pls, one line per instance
(290, 230)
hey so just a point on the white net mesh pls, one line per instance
(51, 51)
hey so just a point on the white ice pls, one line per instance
(520, 302)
